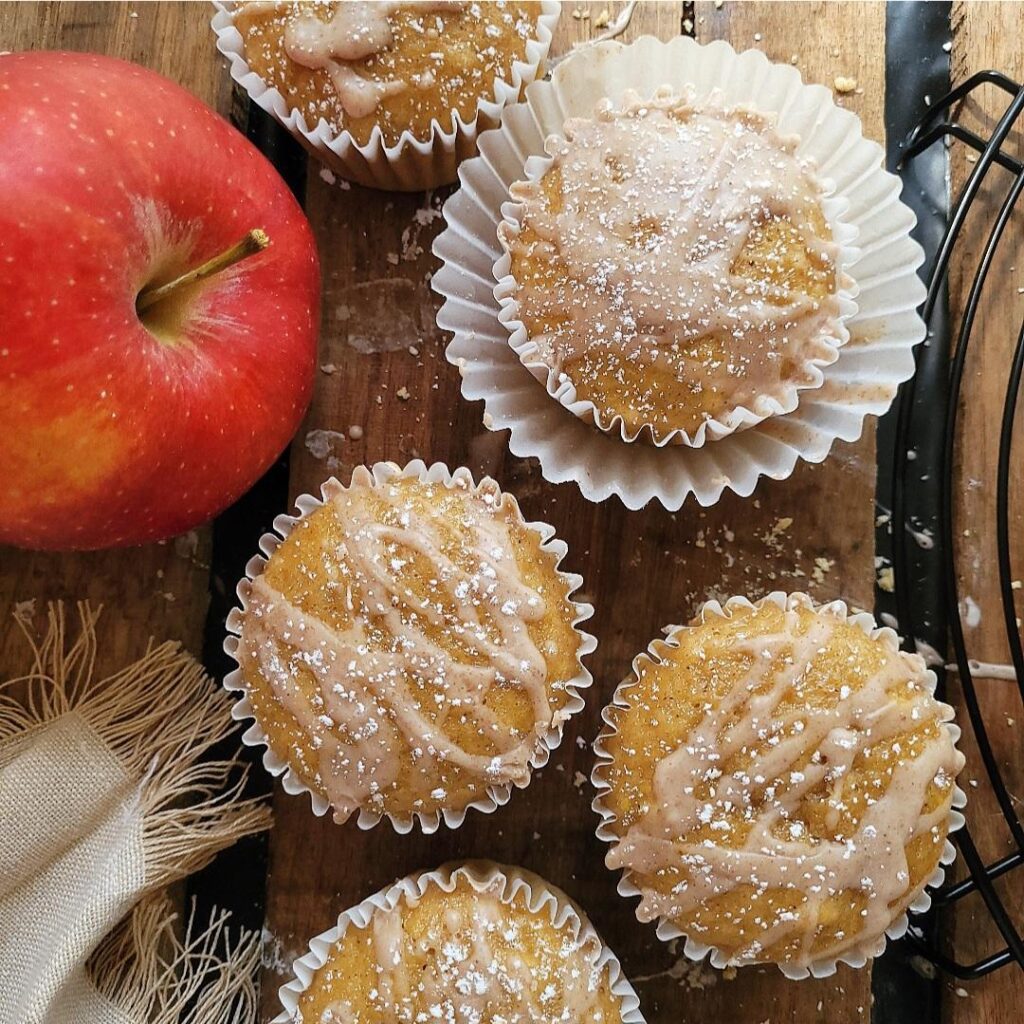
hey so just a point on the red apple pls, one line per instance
(118, 427)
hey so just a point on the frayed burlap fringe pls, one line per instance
(150, 974)
(159, 716)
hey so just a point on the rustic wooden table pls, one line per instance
(814, 531)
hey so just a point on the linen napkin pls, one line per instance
(104, 799)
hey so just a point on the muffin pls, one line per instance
(471, 943)
(670, 271)
(777, 782)
(388, 74)
(410, 648)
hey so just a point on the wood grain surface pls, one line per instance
(987, 36)
(641, 569)
(383, 372)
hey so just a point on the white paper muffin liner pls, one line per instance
(861, 382)
(857, 956)
(496, 795)
(740, 417)
(517, 885)
(411, 164)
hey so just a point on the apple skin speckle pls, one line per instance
(191, 413)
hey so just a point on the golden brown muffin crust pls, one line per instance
(432, 59)
(781, 782)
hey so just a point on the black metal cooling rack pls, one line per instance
(925, 598)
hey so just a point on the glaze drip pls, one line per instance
(432, 627)
(660, 238)
(354, 31)
(788, 750)
(465, 965)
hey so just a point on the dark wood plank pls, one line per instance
(987, 36)
(852, 50)
(641, 569)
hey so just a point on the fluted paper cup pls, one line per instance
(863, 379)
(410, 164)
(511, 884)
(859, 954)
(782, 399)
(497, 794)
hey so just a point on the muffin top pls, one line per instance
(398, 65)
(673, 262)
(410, 645)
(780, 779)
(473, 954)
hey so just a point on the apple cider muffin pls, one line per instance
(410, 648)
(398, 66)
(670, 272)
(777, 780)
(477, 943)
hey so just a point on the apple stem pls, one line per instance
(255, 241)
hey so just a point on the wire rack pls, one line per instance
(926, 594)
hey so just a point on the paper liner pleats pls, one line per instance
(516, 885)
(410, 164)
(861, 382)
(856, 956)
(496, 794)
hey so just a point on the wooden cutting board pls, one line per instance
(813, 532)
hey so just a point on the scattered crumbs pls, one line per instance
(970, 612)
(603, 19)
(186, 545)
(719, 4)
(757, 37)
(1016, 584)
(328, 175)
(923, 966)
(579, 780)
(961, 992)
(402, 394)
(273, 956)
(844, 84)
(328, 368)
(355, 432)
(581, 743)
(886, 580)
(695, 975)
(822, 566)
(321, 445)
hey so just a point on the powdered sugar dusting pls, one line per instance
(673, 264)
